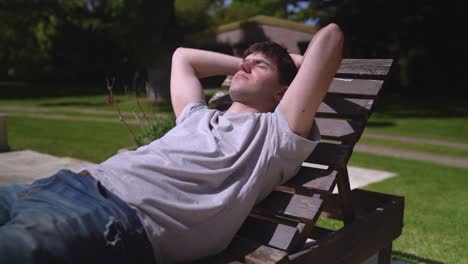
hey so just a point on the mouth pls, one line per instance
(241, 76)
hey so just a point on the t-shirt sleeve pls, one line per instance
(189, 109)
(292, 148)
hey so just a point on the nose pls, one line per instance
(245, 66)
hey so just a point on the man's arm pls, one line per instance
(317, 69)
(188, 66)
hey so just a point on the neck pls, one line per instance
(240, 108)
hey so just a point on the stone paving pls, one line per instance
(28, 165)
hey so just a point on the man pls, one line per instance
(184, 196)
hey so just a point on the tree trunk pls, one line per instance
(159, 74)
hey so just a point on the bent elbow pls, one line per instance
(179, 54)
(334, 31)
(332, 35)
(333, 27)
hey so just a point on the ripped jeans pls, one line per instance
(69, 218)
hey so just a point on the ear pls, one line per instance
(279, 94)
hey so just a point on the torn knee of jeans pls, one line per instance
(112, 234)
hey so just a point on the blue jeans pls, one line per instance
(69, 218)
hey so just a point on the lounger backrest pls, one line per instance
(281, 223)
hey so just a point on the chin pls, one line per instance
(234, 94)
(235, 89)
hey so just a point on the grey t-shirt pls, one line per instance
(193, 187)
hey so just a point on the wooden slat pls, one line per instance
(354, 69)
(227, 81)
(242, 250)
(311, 179)
(341, 107)
(334, 105)
(274, 220)
(300, 207)
(276, 235)
(330, 154)
(364, 68)
(341, 130)
(220, 101)
(222, 258)
(265, 255)
(351, 87)
(356, 87)
(252, 252)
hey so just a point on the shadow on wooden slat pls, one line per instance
(341, 107)
(309, 180)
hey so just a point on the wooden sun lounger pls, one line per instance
(282, 228)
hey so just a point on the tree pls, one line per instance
(87, 40)
(81, 40)
(196, 15)
(415, 33)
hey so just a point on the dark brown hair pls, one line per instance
(287, 70)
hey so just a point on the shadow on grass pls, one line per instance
(401, 106)
(410, 258)
(76, 103)
(380, 124)
(22, 90)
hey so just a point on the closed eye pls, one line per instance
(261, 64)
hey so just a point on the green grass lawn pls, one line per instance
(436, 211)
(86, 140)
(111, 115)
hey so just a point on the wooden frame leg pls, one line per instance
(385, 255)
(344, 192)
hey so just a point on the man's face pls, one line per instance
(256, 80)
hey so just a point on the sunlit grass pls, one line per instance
(85, 140)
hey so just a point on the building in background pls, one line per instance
(237, 36)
